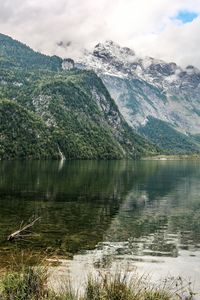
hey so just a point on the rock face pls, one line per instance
(149, 92)
(67, 64)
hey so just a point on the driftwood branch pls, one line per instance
(20, 232)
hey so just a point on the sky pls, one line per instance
(165, 29)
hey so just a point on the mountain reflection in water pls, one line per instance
(146, 213)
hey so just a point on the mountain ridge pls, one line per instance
(12, 56)
(147, 87)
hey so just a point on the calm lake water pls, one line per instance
(144, 214)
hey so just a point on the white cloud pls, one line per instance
(148, 26)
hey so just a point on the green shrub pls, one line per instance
(29, 284)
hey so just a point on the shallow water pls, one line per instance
(125, 213)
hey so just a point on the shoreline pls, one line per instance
(172, 157)
(37, 283)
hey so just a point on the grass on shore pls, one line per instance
(31, 284)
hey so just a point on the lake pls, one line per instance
(143, 214)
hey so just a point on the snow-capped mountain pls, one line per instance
(156, 98)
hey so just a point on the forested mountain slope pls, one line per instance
(50, 112)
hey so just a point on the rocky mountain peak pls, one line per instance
(110, 50)
(191, 70)
(110, 58)
(146, 88)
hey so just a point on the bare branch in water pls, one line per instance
(23, 230)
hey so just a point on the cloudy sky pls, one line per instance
(167, 29)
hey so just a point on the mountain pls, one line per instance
(157, 99)
(50, 110)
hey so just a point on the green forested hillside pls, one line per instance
(49, 111)
(17, 55)
(23, 135)
(167, 138)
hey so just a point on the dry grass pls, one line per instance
(31, 284)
